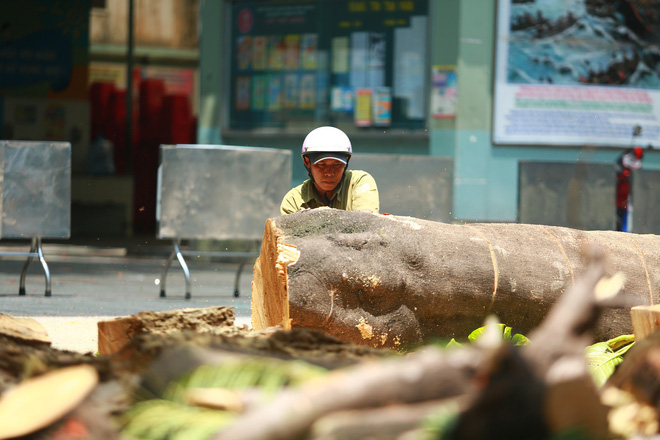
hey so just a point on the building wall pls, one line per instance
(158, 23)
(485, 175)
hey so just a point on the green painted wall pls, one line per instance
(486, 176)
(210, 72)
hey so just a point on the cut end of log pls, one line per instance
(40, 401)
(270, 288)
(112, 336)
(645, 319)
(286, 254)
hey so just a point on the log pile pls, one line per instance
(399, 281)
(488, 389)
(193, 374)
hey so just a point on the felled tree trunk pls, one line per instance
(395, 281)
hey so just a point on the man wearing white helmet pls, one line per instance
(326, 152)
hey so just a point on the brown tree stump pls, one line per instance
(385, 280)
(25, 330)
(114, 334)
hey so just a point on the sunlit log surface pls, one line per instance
(386, 280)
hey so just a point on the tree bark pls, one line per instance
(382, 423)
(496, 390)
(393, 281)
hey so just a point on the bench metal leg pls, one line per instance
(186, 273)
(35, 250)
(237, 293)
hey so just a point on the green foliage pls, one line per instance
(453, 343)
(506, 331)
(266, 374)
(440, 424)
(603, 357)
(515, 339)
(170, 418)
(161, 419)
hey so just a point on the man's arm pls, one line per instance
(287, 206)
(365, 194)
(292, 202)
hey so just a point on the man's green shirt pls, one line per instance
(357, 191)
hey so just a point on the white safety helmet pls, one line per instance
(327, 143)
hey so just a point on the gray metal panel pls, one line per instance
(36, 189)
(412, 185)
(646, 202)
(573, 194)
(220, 192)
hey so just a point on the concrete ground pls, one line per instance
(92, 282)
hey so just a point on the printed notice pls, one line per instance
(363, 107)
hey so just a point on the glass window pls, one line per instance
(296, 64)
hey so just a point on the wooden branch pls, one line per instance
(426, 375)
(384, 423)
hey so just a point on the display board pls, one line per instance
(572, 194)
(220, 192)
(577, 72)
(646, 201)
(300, 63)
(35, 185)
(416, 186)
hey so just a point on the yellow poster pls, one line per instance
(363, 107)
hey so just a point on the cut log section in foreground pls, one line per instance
(386, 280)
(645, 320)
(116, 333)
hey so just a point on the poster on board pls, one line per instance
(577, 72)
(444, 92)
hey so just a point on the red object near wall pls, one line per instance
(152, 93)
(99, 96)
(145, 155)
(176, 120)
(115, 129)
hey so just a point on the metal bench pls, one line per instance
(35, 185)
(218, 192)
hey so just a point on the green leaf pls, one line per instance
(516, 339)
(164, 420)
(603, 357)
(453, 343)
(440, 424)
(519, 339)
(170, 418)
(269, 375)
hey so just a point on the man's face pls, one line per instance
(326, 173)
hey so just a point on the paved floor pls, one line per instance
(117, 281)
